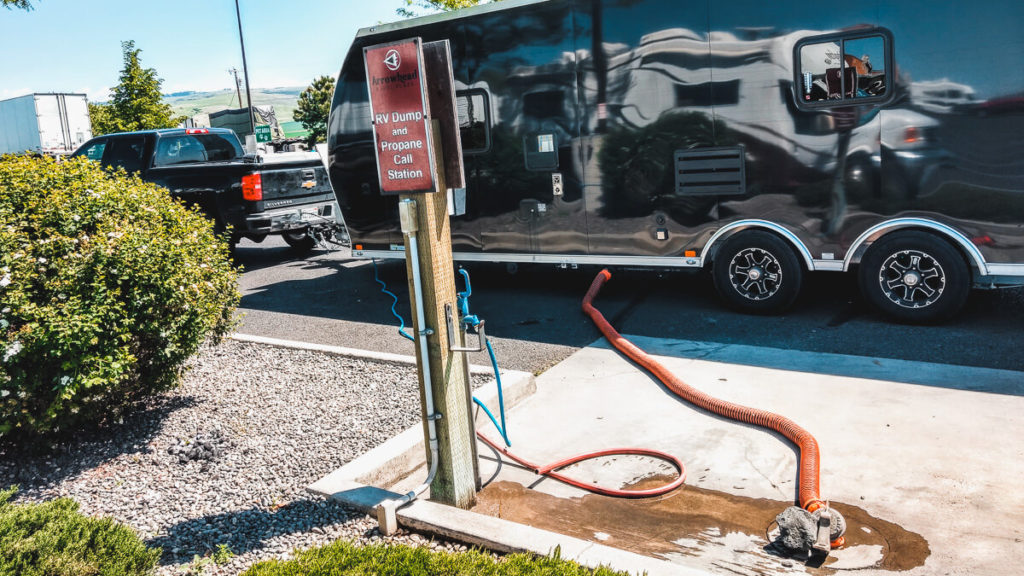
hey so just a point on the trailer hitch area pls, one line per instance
(328, 232)
(468, 323)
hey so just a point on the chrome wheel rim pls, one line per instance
(755, 273)
(912, 279)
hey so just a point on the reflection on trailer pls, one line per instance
(763, 141)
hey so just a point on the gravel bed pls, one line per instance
(225, 458)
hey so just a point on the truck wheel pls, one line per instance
(757, 272)
(220, 230)
(915, 277)
(299, 241)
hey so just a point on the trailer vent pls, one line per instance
(711, 171)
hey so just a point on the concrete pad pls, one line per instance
(936, 460)
(939, 457)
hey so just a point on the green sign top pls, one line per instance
(263, 133)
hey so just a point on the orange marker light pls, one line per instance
(690, 253)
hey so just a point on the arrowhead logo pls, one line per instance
(392, 60)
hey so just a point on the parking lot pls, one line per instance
(534, 315)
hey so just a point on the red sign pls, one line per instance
(401, 130)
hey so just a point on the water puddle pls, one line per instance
(727, 533)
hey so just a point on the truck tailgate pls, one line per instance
(289, 179)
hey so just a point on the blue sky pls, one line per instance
(75, 45)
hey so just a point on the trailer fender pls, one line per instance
(724, 233)
(873, 234)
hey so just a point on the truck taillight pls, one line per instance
(197, 131)
(252, 187)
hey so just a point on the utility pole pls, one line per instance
(238, 85)
(245, 70)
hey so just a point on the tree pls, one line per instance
(136, 102)
(23, 4)
(314, 107)
(99, 118)
(435, 5)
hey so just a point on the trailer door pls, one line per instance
(524, 189)
(647, 95)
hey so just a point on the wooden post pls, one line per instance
(456, 480)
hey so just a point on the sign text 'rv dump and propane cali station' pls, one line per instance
(394, 75)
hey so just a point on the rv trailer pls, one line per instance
(763, 140)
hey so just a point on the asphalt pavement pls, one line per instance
(534, 317)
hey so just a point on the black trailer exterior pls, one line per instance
(763, 139)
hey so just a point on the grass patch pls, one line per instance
(54, 539)
(342, 558)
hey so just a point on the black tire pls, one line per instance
(915, 276)
(757, 272)
(300, 241)
(220, 230)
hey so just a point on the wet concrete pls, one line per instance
(914, 467)
(692, 521)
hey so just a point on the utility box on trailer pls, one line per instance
(54, 124)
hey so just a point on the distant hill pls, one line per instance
(284, 100)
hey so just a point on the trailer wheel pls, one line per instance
(757, 272)
(300, 241)
(915, 277)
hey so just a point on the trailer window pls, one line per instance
(546, 104)
(725, 93)
(474, 111)
(844, 69)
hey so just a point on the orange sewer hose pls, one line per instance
(809, 467)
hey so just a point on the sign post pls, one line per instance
(410, 153)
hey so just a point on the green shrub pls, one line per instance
(54, 539)
(345, 559)
(107, 286)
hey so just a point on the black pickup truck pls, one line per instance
(255, 195)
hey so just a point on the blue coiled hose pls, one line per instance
(501, 397)
(490, 352)
(394, 302)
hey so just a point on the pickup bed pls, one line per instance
(286, 194)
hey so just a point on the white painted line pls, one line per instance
(342, 351)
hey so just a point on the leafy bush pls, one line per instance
(344, 559)
(54, 539)
(107, 286)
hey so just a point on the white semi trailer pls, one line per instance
(53, 124)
